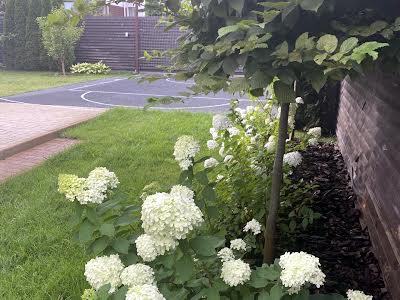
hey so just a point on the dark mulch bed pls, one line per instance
(337, 238)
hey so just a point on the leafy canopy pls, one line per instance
(296, 40)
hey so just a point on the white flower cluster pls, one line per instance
(235, 272)
(104, 270)
(313, 141)
(292, 158)
(225, 254)
(212, 144)
(186, 148)
(238, 244)
(254, 226)
(210, 163)
(271, 144)
(167, 218)
(137, 274)
(315, 132)
(221, 122)
(233, 131)
(144, 292)
(299, 268)
(357, 295)
(92, 189)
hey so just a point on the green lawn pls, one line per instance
(38, 258)
(15, 82)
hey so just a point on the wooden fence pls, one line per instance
(113, 40)
(368, 135)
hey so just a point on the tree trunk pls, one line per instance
(270, 225)
(63, 67)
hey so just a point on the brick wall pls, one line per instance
(368, 136)
(112, 40)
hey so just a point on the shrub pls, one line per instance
(90, 68)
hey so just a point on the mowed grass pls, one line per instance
(16, 82)
(38, 257)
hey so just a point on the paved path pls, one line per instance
(23, 126)
(116, 92)
(25, 160)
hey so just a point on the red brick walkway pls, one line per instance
(29, 133)
(25, 160)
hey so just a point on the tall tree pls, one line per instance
(20, 15)
(2, 6)
(33, 38)
(153, 8)
(9, 26)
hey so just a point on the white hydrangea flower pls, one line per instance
(235, 272)
(238, 244)
(299, 100)
(315, 132)
(250, 109)
(270, 146)
(313, 141)
(137, 274)
(210, 163)
(214, 133)
(233, 131)
(169, 216)
(220, 177)
(228, 159)
(254, 226)
(221, 122)
(225, 254)
(241, 112)
(146, 247)
(164, 244)
(71, 186)
(292, 158)
(144, 292)
(186, 148)
(298, 268)
(182, 192)
(104, 270)
(252, 118)
(221, 151)
(102, 176)
(211, 144)
(357, 295)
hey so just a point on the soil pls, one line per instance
(337, 238)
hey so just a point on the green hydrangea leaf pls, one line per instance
(328, 43)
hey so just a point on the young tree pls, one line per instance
(20, 15)
(59, 36)
(9, 25)
(32, 38)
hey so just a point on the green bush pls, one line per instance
(90, 68)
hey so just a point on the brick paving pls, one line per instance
(26, 160)
(23, 126)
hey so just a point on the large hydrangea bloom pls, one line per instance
(299, 268)
(104, 270)
(235, 272)
(292, 158)
(221, 122)
(253, 226)
(137, 274)
(186, 148)
(144, 292)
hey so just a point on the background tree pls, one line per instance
(32, 38)
(9, 26)
(2, 7)
(20, 15)
(153, 8)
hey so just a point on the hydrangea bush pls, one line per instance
(173, 245)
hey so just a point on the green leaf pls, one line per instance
(86, 231)
(184, 268)
(317, 80)
(348, 45)
(228, 29)
(102, 293)
(202, 177)
(301, 41)
(236, 5)
(260, 80)
(91, 215)
(212, 294)
(282, 51)
(99, 245)
(328, 43)
(270, 15)
(121, 245)
(209, 193)
(205, 245)
(276, 292)
(263, 296)
(276, 5)
(107, 229)
(312, 5)
(283, 92)
(295, 57)
(319, 58)
(368, 48)
(290, 15)
(120, 294)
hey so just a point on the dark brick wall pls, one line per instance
(368, 136)
(112, 40)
